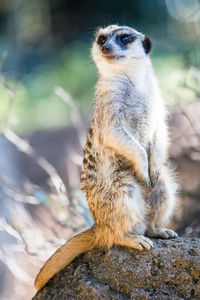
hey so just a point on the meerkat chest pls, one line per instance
(135, 108)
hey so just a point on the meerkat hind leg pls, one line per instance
(138, 242)
(163, 233)
(163, 200)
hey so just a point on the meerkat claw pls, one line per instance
(164, 233)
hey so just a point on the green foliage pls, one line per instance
(36, 106)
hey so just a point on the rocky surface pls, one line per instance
(171, 270)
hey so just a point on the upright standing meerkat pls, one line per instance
(129, 188)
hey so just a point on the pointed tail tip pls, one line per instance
(38, 284)
(64, 255)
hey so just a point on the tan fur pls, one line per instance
(64, 255)
(129, 188)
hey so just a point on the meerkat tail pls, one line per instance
(64, 255)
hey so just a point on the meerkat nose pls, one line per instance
(106, 48)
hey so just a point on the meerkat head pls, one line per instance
(119, 47)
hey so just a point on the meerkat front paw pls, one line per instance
(154, 177)
(146, 181)
(163, 233)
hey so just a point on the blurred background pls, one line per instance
(47, 83)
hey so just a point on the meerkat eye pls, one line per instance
(101, 40)
(124, 38)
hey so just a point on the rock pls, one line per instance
(171, 270)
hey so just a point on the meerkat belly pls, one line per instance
(137, 114)
(140, 128)
(110, 185)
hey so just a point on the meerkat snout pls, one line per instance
(106, 48)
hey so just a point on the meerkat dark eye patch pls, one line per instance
(125, 39)
(101, 40)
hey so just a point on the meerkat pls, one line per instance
(125, 177)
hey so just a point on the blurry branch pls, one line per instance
(184, 113)
(24, 146)
(26, 247)
(11, 93)
(17, 271)
(16, 193)
(177, 138)
(196, 92)
(34, 195)
(20, 223)
(184, 81)
(193, 73)
(8, 228)
(76, 159)
(30, 233)
(75, 113)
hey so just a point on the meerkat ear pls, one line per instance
(146, 42)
